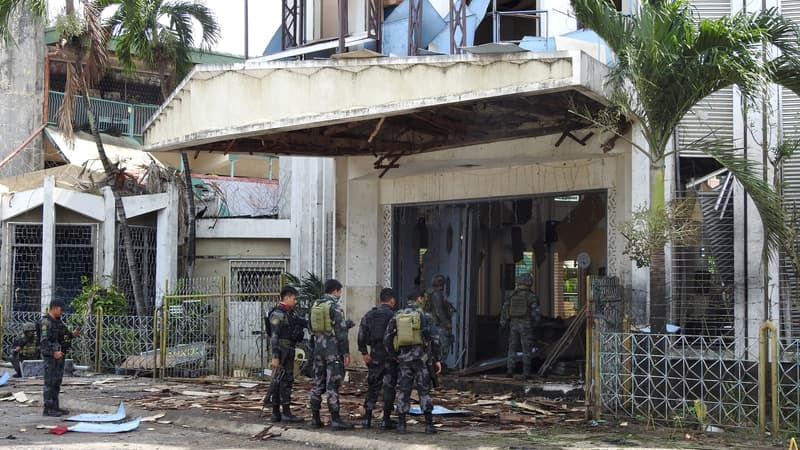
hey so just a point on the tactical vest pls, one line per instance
(519, 307)
(30, 349)
(378, 321)
(321, 317)
(285, 331)
(409, 329)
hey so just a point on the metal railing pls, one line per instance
(125, 118)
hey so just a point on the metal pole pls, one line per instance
(342, 25)
(246, 30)
(495, 23)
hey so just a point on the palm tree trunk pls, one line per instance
(111, 174)
(70, 7)
(658, 278)
(191, 219)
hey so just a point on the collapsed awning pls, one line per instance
(384, 106)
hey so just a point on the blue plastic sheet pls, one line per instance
(438, 411)
(115, 417)
(106, 427)
(4, 378)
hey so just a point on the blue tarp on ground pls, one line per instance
(438, 411)
(106, 427)
(4, 378)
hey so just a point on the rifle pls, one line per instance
(274, 387)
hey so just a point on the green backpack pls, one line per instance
(409, 329)
(321, 317)
(520, 305)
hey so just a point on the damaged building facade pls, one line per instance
(450, 145)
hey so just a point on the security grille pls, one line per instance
(26, 260)
(144, 249)
(74, 259)
(702, 270)
(256, 277)
(790, 115)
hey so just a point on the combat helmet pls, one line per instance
(438, 281)
(28, 327)
(524, 279)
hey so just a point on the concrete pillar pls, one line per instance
(109, 230)
(167, 244)
(48, 241)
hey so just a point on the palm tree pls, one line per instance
(668, 60)
(85, 43)
(158, 33)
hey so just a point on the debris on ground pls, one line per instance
(267, 433)
(460, 409)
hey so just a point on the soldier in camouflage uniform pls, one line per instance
(331, 354)
(25, 347)
(442, 311)
(54, 345)
(382, 367)
(414, 360)
(286, 330)
(521, 311)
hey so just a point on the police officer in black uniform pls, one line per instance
(286, 330)
(54, 345)
(382, 367)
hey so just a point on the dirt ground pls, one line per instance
(227, 416)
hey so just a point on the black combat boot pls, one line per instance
(51, 413)
(316, 421)
(276, 414)
(62, 411)
(337, 423)
(387, 423)
(288, 417)
(429, 428)
(367, 422)
(401, 423)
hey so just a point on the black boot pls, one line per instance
(276, 414)
(401, 423)
(387, 423)
(52, 413)
(429, 428)
(288, 417)
(62, 411)
(367, 422)
(316, 421)
(337, 423)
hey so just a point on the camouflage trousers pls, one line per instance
(382, 378)
(280, 391)
(414, 374)
(328, 375)
(53, 374)
(520, 333)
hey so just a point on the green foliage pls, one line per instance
(70, 26)
(10, 8)
(311, 288)
(94, 296)
(650, 229)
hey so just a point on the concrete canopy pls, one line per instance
(386, 107)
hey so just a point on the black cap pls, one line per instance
(57, 303)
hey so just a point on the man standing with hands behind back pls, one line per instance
(54, 346)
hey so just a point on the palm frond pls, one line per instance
(778, 233)
(66, 113)
(9, 11)
(95, 44)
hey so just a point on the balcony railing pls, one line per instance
(124, 118)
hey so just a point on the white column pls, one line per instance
(109, 237)
(640, 199)
(48, 241)
(167, 244)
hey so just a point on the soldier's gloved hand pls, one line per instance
(438, 367)
(58, 355)
(347, 360)
(275, 363)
